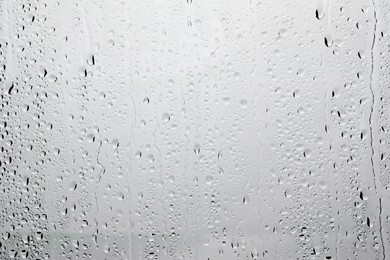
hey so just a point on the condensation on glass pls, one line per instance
(193, 129)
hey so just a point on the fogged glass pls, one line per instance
(194, 129)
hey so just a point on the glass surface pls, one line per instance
(194, 129)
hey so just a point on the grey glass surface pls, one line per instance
(193, 129)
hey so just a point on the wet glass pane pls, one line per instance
(194, 129)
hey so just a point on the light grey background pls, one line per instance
(194, 129)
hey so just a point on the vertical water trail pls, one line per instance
(370, 126)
